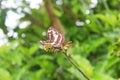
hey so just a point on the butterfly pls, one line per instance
(55, 42)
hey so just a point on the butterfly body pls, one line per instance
(55, 42)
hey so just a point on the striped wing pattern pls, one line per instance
(55, 38)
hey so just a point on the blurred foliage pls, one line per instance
(96, 43)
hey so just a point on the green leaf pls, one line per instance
(111, 62)
(108, 18)
(92, 44)
(83, 64)
(102, 77)
(4, 49)
(34, 48)
(4, 74)
(57, 13)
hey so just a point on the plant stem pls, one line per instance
(69, 58)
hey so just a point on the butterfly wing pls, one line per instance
(55, 38)
(44, 42)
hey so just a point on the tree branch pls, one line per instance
(53, 18)
(69, 11)
(35, 21)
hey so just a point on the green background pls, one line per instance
(95, 49)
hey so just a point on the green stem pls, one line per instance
(69, 58)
